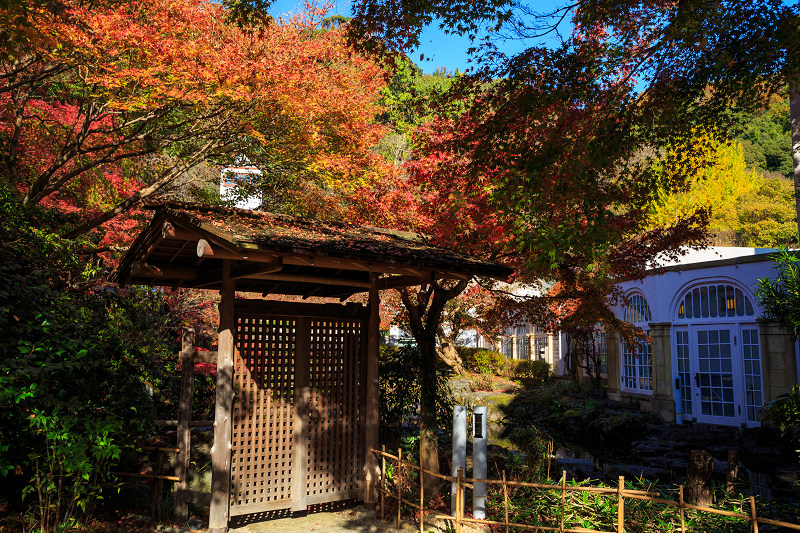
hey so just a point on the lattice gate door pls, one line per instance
(297, 410)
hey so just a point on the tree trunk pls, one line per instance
(733, 471)
(447, 351)
(794, 119)
(428, 444)
(698, 477)
(424, 318)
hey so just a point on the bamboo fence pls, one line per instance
(459, 518)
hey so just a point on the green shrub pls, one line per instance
(82, 369)
(399, 386)
(572, 420)
(484, 361)
(598, 512)
(783, 414)
(467, 354)
(531, 373)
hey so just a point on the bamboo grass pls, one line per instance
(620, 491)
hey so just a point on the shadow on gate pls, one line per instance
(285, 369)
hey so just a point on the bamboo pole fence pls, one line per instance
(459, 518)
(188, 356)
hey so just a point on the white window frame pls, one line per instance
(636, 362)
(601, 346)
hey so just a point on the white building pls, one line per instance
(230, 180)
(707, 340)
(528, 341)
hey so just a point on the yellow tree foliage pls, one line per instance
(717, 177)
(767, 214)
(747, 208)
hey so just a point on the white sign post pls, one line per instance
(479, 460)
(459, 448)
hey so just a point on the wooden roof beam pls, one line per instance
(311, 293)
(269, 290)
(178, 251)
(318, 280)
(173, 230)
(140, 269)
(238, 271)
(169, 231)
(454, 275)
(205, 249)
(396, 282)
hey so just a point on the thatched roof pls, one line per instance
(278, 254)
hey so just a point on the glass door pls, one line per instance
(715, 392)
(751, 356)
(684, 371)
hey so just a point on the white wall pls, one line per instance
(227, 186)
(663, 290)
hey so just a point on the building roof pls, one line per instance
(713, 253)
(714, 256)
(278, 254)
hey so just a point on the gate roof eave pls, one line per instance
(184, 246)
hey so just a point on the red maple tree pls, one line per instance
(91, 89)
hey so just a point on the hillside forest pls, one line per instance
(574, 164)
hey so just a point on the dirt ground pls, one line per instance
(356, 519)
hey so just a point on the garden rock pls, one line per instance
(636, 471)
(785, 477)
(676, 466)
(578, 469)
(650, 448)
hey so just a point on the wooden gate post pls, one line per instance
(223, 409)
(158, 485)
(184, 431)
(371, 426)
(300, 418)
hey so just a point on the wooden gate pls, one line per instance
(297, 424)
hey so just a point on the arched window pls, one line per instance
(637, 310)
(637, 364)
(715, 301)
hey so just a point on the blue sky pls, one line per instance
(439, 50)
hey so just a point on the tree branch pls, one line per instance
(166, 177)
